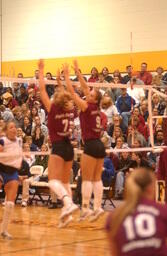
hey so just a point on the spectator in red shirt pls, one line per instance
(144, 75)
(94, 75)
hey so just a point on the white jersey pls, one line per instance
(14, 149)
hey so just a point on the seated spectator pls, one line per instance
(123, 167)
(127, 77)
(108, 108)
(115, 92)
(159, 138)
(120, 144)
(138, 126)
(102, 81)
(16, 90)
(18, 117)
(2, 91)
(20, 75)
(25, 110)
(137, 160)
(24, 176)
(28, 140)
(20, 133)
(144, 109)
(117, 74)
(38, 137)
(156, 103)
(108, 172)
(155, 121)
(117, 133)
(144, 75)
(117, 122)
(34, 113)
(94, 75)
(9, 101)
(106, 75)
(28, 157)
(137, 94)
(6, 114)
(27, 126)
(42, 159)
(31, 97)
(158, 78)
(134, 134)
(37, 122)
(23, 97)
(41, 111)
(124, 104)
(136, 112)
(50, 88)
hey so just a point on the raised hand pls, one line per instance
(76, 67)
(65, 68)
(41, 64)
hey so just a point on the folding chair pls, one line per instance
(107, 190)
(36, 171)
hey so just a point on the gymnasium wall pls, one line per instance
(96, 32)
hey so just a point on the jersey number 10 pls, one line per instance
(143, 225)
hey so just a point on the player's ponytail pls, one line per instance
(136, 184)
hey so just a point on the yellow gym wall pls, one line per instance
(97, 33)
(154, 59)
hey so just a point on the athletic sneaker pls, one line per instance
(68, 210)
(3, 203)
(63, 223)
(24, 204)
(96, 214)
(6, 235)
(85, 213)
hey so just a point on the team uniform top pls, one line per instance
(90, 122)
(58, 123)
(15, 149)
(144, 232)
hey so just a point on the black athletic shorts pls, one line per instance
(63, 149)
(94, 148)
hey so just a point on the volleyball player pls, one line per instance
(139, 226)
(94, 152)
(9, 166)
(61, 158)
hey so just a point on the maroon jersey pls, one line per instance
(144, 232)
(58, 123)
(90, 121)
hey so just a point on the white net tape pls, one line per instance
(151, 89)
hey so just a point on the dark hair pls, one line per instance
(104, 68)
(144, 63)
(129, 66)
(98, 97)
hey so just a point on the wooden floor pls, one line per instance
(35, 232)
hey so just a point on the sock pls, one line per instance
(53, 197)
(68, 189)
(98, 193)
(7, 215)
(58, 188)
(86, 193)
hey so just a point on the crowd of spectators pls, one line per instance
(124, 116)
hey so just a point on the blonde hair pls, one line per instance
(135, 187)
(61, 98)
(106, 102)
(155, 95)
